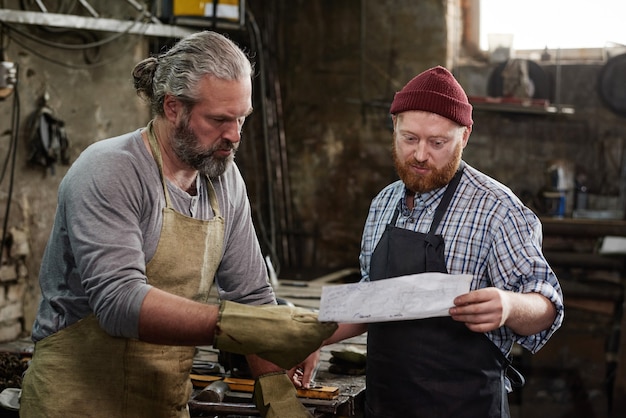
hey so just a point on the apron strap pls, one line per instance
(445, 200)
(396, 213)
(156, 153)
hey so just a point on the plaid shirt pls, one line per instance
(488, 233)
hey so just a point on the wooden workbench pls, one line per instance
(349, 403)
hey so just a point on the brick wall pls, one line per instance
(13, 283)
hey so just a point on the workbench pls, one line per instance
(348, 403)
(351, 388)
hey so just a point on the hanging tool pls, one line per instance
(48, 140)
(8, 72)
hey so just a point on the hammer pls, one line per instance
(214, 392)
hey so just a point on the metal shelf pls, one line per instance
(94, 23)
(520, 108)
(511, 105)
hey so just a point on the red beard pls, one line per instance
(436, 179)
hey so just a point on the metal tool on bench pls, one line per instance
(211, 400)
(214, 392)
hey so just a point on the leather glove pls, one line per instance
(284, 335)
(276, 397)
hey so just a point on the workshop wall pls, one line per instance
(339, 69)
(340, 66)
(516, 146)
(90, 90)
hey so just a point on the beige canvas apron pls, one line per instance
(82, 371)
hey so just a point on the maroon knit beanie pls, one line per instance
(437, 91)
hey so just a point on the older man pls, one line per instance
(145, 223)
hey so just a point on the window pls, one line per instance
(555, 24)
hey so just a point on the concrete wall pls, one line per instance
(91, 91)
(515, 147)
(342, 64)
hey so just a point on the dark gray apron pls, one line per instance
(433, 367)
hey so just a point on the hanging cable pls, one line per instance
(15, 121)
(66, 7)
(79, 47)
(122, 52)
(8, 155)
(138, 20)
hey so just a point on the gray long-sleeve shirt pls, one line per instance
(106, 229)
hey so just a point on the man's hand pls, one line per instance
(481, 310)
(487, 309)
(302, 374)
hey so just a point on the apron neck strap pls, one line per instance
(156, 153)
(445, 200)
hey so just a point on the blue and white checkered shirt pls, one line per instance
(488, 233)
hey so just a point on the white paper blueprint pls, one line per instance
(415, 296)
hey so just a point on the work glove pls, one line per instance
(276, 397)
(350, 360)
(284, 335)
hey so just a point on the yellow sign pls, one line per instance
(226, 9)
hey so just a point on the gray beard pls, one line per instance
(213, 168)
(184, 146)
